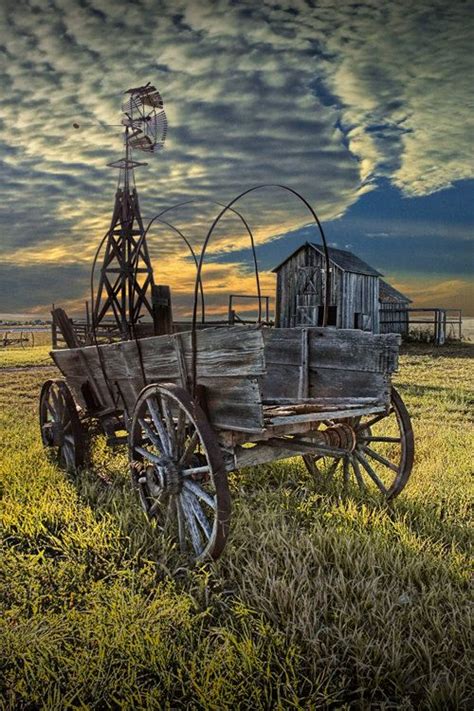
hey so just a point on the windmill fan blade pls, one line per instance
(145, 118)
(150, 96)
(156, 125)
(132, 106)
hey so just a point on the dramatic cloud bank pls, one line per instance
(327, 96)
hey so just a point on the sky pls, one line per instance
(365, 108)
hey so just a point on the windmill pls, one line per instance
(125, 288)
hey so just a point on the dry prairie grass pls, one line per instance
(320, 600)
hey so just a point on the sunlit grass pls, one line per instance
(20, 357)
(321, 599)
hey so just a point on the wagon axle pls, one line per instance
(162, 478)
(339, 436)
(53, 434)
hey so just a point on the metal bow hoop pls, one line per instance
(249, 232)
(193, 254)
(327, 290)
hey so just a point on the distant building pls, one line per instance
(356, 290)
(394, 315)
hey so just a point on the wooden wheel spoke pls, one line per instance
(155, 416)
(346, 473)
(55, 400)
(396, 440)
(65, 418)
(180, 433)
(371, 472)
(68, 453)
(189, 450)
(50, 408)
(181, 525)
(191, 525)
(198, 513)
(199, 492)
(332, 469)
(358, 475)
(170, 426)
(309, 460)
(379, 458)
(148, 455)
(195, 471)
(153, 438)
(373, 421)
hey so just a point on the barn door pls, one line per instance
(308, 300)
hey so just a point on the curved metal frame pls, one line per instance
(206, 242)
(199, 264)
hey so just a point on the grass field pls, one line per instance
(321, 600)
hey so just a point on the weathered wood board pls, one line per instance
(229, 363)
(242, 368)
(341, 364)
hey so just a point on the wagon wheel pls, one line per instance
(61, 429)
(382, 457)
(178, 468)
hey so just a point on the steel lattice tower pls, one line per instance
(125, 289)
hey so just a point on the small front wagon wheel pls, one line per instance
(178, 468)
(61, 430)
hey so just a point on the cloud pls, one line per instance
(402, 73)
(436, 291)
(325, 98)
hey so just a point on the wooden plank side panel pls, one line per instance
(333, 348)
(83, 371)
(229, 362)
(326, 384)
(234, 403)
(338, 383)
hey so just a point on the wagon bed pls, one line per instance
(260, 394)
(254, 379)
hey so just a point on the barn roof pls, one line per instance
(389, 294)
(346, 261)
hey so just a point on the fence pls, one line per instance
(442, 324)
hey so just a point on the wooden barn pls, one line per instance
(394, 314)
(301, 281)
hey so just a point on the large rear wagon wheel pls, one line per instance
(61, 429)
(382, 457)
(177, 466)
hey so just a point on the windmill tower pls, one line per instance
(125, 287)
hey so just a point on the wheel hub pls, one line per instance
(341, 436)
(53, 434)
(164, 478)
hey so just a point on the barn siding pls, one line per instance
(394, 317)
(350, 292)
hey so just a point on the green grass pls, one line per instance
(23, 357)
(319, 601)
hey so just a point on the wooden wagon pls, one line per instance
(262, 394)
